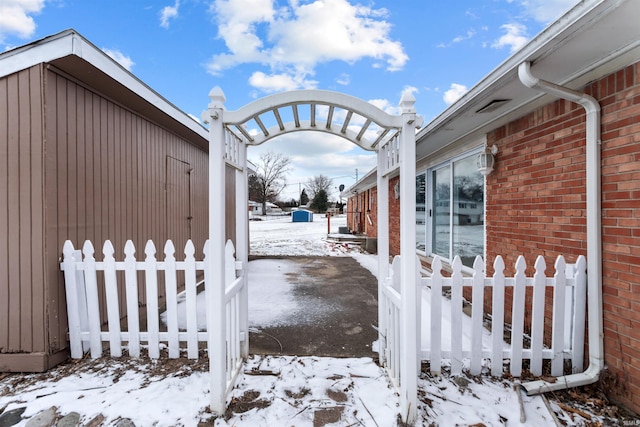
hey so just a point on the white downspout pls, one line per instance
(594, 234)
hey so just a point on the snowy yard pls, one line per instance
(274, 391)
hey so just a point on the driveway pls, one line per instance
(312, 306)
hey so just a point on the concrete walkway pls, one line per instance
(336, 315)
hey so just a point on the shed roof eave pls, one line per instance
(54, 48)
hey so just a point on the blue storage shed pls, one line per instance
(302, 216)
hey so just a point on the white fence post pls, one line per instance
(73, 301)
(580, 314)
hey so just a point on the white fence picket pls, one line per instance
(93, 304)
(191, 300)
(131, 284)
(456, 316)
(517, 317)
(497, 317)
(151, 281)
(435, 359)
(171, 284)
(558, 328)
(477, 316)
(537, 316)
(111, 293)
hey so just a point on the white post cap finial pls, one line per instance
(407, 103)
(216, 95)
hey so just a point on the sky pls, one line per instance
(375, 50)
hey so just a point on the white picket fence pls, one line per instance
(84, 276)
(449, 337)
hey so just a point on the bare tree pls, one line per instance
(318, 183)
(270, 178)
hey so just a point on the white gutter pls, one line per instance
(594, 248)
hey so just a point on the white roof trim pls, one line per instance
(69, 42)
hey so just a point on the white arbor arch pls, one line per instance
(392, 137)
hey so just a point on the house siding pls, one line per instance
(77, 165)
(536, 205)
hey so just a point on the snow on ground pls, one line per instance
(277, 235)
(271, 391)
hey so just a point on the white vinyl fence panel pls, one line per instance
(451, 337)
(85, 275)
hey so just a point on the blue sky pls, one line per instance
(371, 49)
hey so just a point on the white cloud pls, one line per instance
(458, 39)
(15, 17)
(454, 93)
(514, 38)
(167, 13)
(344, 79)
(120, 58)
(280, 82)
(295, 38)
(546, 11)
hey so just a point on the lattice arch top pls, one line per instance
(314, 110)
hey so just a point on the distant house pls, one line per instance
(88, 151)
(535, 200)
(255, 208)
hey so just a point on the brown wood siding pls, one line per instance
(76, 165)
(107, 171)
(22, 323)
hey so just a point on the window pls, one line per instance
(453, 196)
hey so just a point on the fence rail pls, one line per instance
(87, 280)
(449, 336)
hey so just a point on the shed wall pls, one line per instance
(78, 166)
(22, 294)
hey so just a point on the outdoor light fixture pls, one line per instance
(486, 160)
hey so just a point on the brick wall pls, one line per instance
(536, 206)
(368, 200)
(394, 218)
